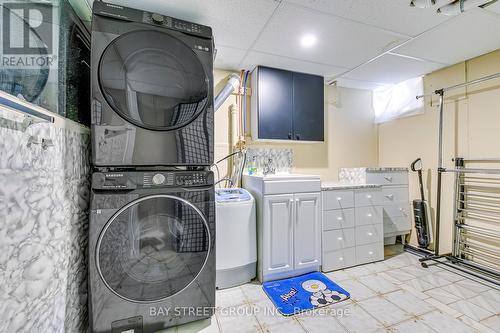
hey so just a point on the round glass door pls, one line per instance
(153, 80)
(153, 248)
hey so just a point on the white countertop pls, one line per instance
(331, 186)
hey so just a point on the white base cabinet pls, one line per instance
(352, 227)
(393, 198)
(288, 227)
(291, 243)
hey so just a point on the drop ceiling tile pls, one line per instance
(394, 15)
(340, 42)
(235, 23)
(228, 58)
(465, 36)
(257, 58)
(391, 68)
(495, 8)
(358, 84)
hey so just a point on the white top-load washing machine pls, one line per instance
(236, 237)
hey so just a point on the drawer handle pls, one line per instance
(370, 252)
(389, 179)
(369, 196)
(341, 259)
(339, 218)
(370, 234)
(339, 238)
(339, 198)
(390, 196)
(369, 215)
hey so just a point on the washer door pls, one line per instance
(153, 248)
(153, 80)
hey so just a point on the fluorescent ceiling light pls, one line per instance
(308, 40)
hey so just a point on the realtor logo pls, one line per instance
(27, 34)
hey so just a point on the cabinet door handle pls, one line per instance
(389, 179)
(390, 196)
(369, 196)
(339, 218)
(369, 215)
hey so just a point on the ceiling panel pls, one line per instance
(466, 36)
(358, 84)
(394, 15)
(494, 7)
(257, 58)
(340, 42)
(228, 58)
(391, 68)
(235, 23)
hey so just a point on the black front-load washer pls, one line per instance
(152, 89)
(151, 250)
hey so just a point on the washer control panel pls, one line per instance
(130, 180)
(188, 179)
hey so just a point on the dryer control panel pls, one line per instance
(130, 180)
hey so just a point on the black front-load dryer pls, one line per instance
(152, 89)
(151, 250)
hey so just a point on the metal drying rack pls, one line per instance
(476, 207)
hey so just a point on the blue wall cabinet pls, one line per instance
(287, 105)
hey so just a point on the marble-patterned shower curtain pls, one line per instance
(44, 196)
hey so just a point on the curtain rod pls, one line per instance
(485, 78)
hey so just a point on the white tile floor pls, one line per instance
(396, 295)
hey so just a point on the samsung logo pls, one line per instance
(114, 175)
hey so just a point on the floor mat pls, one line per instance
(302, 293)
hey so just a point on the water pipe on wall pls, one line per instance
(232, 84)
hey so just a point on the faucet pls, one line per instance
(268, 169)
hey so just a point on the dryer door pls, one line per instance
(153, 80)
(153, 248)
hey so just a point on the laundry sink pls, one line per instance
(282, 183)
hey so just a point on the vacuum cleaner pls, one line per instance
(421, 211)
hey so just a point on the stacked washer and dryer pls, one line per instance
(152, 223)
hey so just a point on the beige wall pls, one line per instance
(351, 138)
(472, 123)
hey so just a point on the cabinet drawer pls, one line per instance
(368, 197)
(369, 215)
(397, 224)
(338, 239)
(369, 234)
(369, 253)
(334, 260)
(394, 194)
(398, 209)
(338, 219)
(387, 178)
(338, 199)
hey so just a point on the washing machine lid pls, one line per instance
(153, 80)
(153, 248)
(232, 195)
